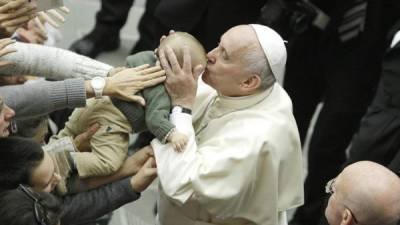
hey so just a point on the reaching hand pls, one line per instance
(145, 176)
(32, 33)
(134, 162)
(52, 15)
(126, 83)
(14, 14)
(4, 51)
(82, 141)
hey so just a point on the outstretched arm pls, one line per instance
(52, 63)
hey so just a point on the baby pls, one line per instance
(109, 145)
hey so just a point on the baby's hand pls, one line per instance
(178, 140)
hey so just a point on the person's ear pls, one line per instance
(253, 82)
(347, 217)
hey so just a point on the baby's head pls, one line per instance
(178, 40)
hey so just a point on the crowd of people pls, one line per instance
(223, 131)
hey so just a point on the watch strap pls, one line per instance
(181, 109)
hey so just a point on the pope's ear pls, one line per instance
(253, 82)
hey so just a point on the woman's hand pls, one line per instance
(15, 14)
(145, 176)
(53, 17)
(82, 141)
(136, 161)
(132, 165)
(4, 51)
(32, 33)
(126, 83)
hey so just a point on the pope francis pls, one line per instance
(242, 164)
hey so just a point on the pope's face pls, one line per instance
(225, 70)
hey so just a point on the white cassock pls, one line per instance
(242, 164)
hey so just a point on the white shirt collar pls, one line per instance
(243, 101)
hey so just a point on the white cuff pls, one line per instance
(182, 121)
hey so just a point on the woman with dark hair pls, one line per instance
(23, 206)
(23, 161)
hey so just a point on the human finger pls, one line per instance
(49, 20)
(39, 24)
(25, 10)
(55, 14)
(6, 63)
(6, 41)
(135, 98)
(3, 2)
(173, 61)
(164, 62)
(64, 9)
(176, 147)
(7, 51)
(138, 68)
(180, 146)
(42, 36)
(197, 71)
(11, 5)
(153, 75)
(187, 61)
(17, 22)
(92, 129)
(151, 172)
(149, 150)
(151, 163)
(153, 82)
(150, 71)
(162, 38)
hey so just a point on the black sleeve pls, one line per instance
(88, 206)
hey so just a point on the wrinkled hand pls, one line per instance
(134, 162)
(145, 176)
(4, 51)
(181, 83)
(178, 140)
(14, 14)
(125, 84)
(82, 141)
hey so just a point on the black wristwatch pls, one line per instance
(181, 109)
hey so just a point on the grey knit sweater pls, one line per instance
(43, 97)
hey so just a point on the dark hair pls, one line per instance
(18, 158)
(18, 208)
(27, 128)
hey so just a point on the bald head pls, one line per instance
(371, 191)
(178, 40)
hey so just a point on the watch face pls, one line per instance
(98, 82)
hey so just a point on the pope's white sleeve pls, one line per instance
(219, 173)
(173, 167)
(52, 63)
